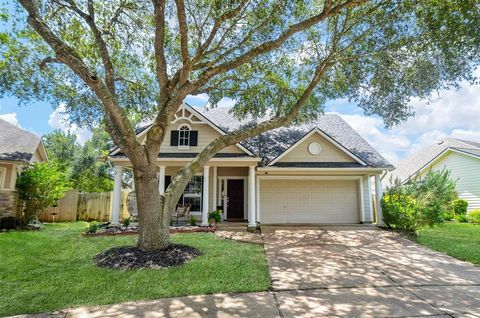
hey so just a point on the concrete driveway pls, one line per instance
(363, 271)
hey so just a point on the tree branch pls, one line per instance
(186, 173)
(161, 62)
(120, 128)
(89, 18)
(46, 61)
(182, 22)
(216, 26)
(276, 43)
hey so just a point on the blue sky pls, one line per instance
(449, 113)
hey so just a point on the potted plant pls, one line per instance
(214, 217)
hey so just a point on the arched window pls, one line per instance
(184, 136)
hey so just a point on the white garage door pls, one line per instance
(309, 201)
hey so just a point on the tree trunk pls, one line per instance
(153, 212)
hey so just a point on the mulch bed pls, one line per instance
(133, 230)
(128, 257)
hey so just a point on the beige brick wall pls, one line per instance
(7, 203)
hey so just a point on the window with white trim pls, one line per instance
(193, 194)
(184, 136)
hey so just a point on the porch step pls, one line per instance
(232, 227)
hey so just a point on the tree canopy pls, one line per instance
(81, 164)
(384, 52)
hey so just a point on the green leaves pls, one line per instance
(384, 53)
(423, 201)
(80, 164)
(40, 185)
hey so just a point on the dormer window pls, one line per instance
(184, 136)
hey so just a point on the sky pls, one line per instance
(452, 112)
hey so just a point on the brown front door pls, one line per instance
(235, 200)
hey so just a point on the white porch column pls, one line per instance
(370, 198)
(251, 197)
(379, 195)
(117, 195)
(206, 177)
(161, 180)
(214, 189)
(257, 208)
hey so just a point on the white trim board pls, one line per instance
(359, 170)
(321, 133)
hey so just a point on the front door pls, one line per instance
(235, 201)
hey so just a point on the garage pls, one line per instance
(309, 201)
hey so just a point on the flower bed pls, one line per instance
(133, 230)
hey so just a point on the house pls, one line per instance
(461, 157)
(312, 173)
(18, 148)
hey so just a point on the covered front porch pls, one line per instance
(227, 184)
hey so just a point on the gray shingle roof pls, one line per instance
(409, 166)
(273, 143)
(16, 144)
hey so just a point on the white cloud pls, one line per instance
(59, 119)
(452, 112)
(197, 100)
(11, 118)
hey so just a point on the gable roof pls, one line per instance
(17, 144)
(146, 126)
(316, 130)
(410, 166)
(273, 143)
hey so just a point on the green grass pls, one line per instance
(52, 269)
(460, 240)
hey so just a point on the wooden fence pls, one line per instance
(75, 206)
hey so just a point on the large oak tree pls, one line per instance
(107, 60)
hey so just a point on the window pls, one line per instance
(184, 136)
(193, 194)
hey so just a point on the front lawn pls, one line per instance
(460, 240)
(53, 269)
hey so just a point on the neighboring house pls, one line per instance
(18, 148)
(311, 173)
(461, 157)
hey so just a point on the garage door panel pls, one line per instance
(309, 201)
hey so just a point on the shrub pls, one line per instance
(192, 220)
(93, 227)
(39, 185)
(474, 216)
(126, 222)
(462, 218)
(447, 216)
(8, 223)
(400, 211)
(459, 207)
(215, 215)
(420, 202)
